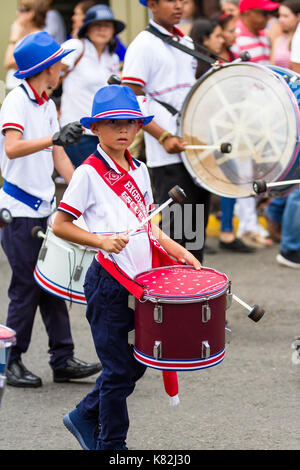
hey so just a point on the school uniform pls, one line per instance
(28, 193)
(104, 212)
(166, 75)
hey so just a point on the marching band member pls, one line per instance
(31, 145)
(166, 75)
(112, 191)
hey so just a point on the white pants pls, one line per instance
(246, 213)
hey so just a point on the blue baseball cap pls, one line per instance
(100, 13)
(37, 52)
(115, 102)
(144, 2)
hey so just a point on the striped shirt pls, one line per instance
(258, 46)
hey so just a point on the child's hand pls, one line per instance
(114, 243)
(187, 258)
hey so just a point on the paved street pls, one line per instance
(250, 401)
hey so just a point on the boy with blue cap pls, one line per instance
(31, 146)
(112, 191)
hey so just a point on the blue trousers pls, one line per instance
(287, 212)
(26, 296)
(110, 320)
(81, 150)
(227, 207)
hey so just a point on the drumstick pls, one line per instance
(37, 232)
(256, 312)
(262, 186)
(225, 147)
(176, 194)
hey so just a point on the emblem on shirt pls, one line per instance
(112, 177)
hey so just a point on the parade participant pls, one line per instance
(251, 37)
(31, 146)
(100, 190)
(166, 75)
(190, 13)
(78, 16)
(87, 69)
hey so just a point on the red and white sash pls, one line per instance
(125, 187)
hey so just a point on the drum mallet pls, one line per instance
(262, 186)
(114, 80)
(5, 217)
(176, 194)
(225, 147)
(37, 232)
(256, 312)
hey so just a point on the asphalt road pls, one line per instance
(248, 402)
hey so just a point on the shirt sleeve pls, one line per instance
(71, 58)
(13, 113)
(75, 200)
(295, 47)
(137, 63)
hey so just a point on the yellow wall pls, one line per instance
(7, 16)
(133, 14)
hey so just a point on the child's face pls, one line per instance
(54, 75)
(116, 134)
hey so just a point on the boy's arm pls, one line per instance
(62, 163)
(63, 227)
(173, 248)
(16, 147)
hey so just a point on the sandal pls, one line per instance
(256, 240)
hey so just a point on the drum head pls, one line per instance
(7, 334)
(251, 107)
(183, 283)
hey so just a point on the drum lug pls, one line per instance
(206, 313)
(227, 335)
(42, 253)
(157, 350)
(205, 353)
(229, 297)
(77, 273)
(158, 313)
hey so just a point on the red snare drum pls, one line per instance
(180, 322)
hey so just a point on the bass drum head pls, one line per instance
(251, 107)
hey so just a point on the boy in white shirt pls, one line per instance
(31, 146)
(113, 193)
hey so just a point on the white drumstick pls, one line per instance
(256, 312)
(176, 194)
(224, 147)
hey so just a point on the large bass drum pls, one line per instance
(254, 108)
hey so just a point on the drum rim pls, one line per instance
(155, 298)
(198, 82)
(9, 339)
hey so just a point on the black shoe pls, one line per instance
(236, 245)
(75, 369)
(291, 259)
(18, 376)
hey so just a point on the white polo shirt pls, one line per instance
(166, 74)
(34, 117)
(88, 76)
(104, 213)
(295, 46)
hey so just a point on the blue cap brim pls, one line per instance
(43, 66)
(87, 121)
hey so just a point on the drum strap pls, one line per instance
(169, 40)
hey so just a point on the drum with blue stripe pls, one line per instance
(7, 340)
(180, 321)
